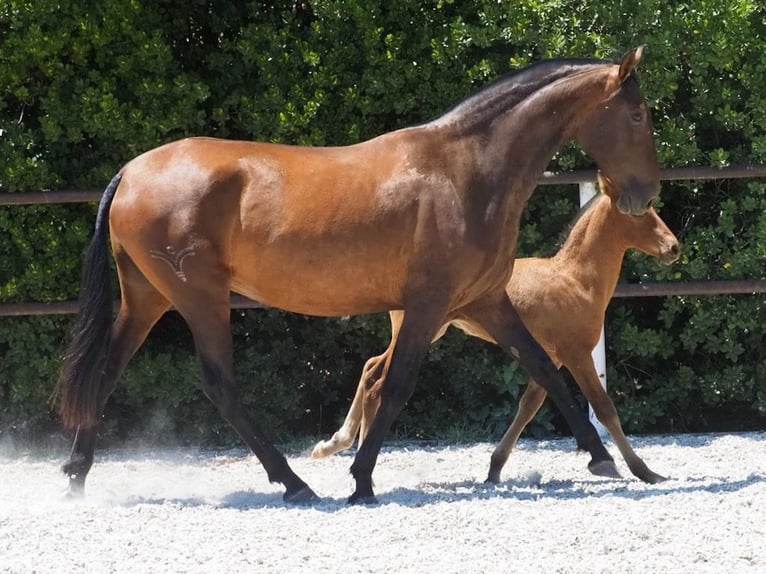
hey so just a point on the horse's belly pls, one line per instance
(328, 287)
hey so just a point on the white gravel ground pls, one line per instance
(185, 511)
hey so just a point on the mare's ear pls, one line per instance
(629, 62)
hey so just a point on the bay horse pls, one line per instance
(562, 301)
(423, 220)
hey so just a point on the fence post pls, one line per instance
(587, 191)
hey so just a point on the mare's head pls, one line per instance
(647, 232)
(618, 136)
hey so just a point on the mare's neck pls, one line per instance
(528, 135)
(511, 133)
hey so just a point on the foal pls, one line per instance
(562, 301)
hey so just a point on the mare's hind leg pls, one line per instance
(141, 306)
(208, 316)
(531, 401)
(585, 374)
(497, 316)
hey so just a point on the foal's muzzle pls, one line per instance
(671, 253)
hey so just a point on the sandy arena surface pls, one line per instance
(191, 511)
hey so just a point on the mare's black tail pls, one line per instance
(79, 385)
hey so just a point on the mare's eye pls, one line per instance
(636, 117)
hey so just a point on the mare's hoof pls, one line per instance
(301, 496)
(493, 477)
(75, 490)
(604, 468)
(74, 493)
(367, 500)
(653, 478)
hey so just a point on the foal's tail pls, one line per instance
(79, 385)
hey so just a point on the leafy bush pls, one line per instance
(85, 86)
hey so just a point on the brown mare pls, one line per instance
(562, 301)
(423, 220)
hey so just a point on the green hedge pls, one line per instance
(85, 86)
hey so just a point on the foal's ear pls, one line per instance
(606, 187)
(629, 62)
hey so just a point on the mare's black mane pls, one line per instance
(514, 87)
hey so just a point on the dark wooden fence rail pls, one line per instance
(664, 289)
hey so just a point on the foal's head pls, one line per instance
(647, 233)
(618, 136)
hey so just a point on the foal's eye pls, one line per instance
(636, 117)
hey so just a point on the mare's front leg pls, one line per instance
(417, 329)
(499, 318)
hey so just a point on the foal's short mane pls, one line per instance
(514, 87)
(564, 236)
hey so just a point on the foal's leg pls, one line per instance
(529, 403)
(499, 318)
(377, 377)
(417, 330)
(366, 399)
(140, 309)
(344, 437)
(371, 396)
(586, 376)
(208, 317)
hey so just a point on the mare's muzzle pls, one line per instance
(637, 197)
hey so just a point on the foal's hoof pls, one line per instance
(303, 495)
(319, 451)
(604, 468)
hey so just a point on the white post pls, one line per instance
(587, 191)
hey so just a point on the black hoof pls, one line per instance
(74, 493)
(303, 495)
(653, 478)
(76, 490)
(492, 478)
(367, 500)
(604, 468)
